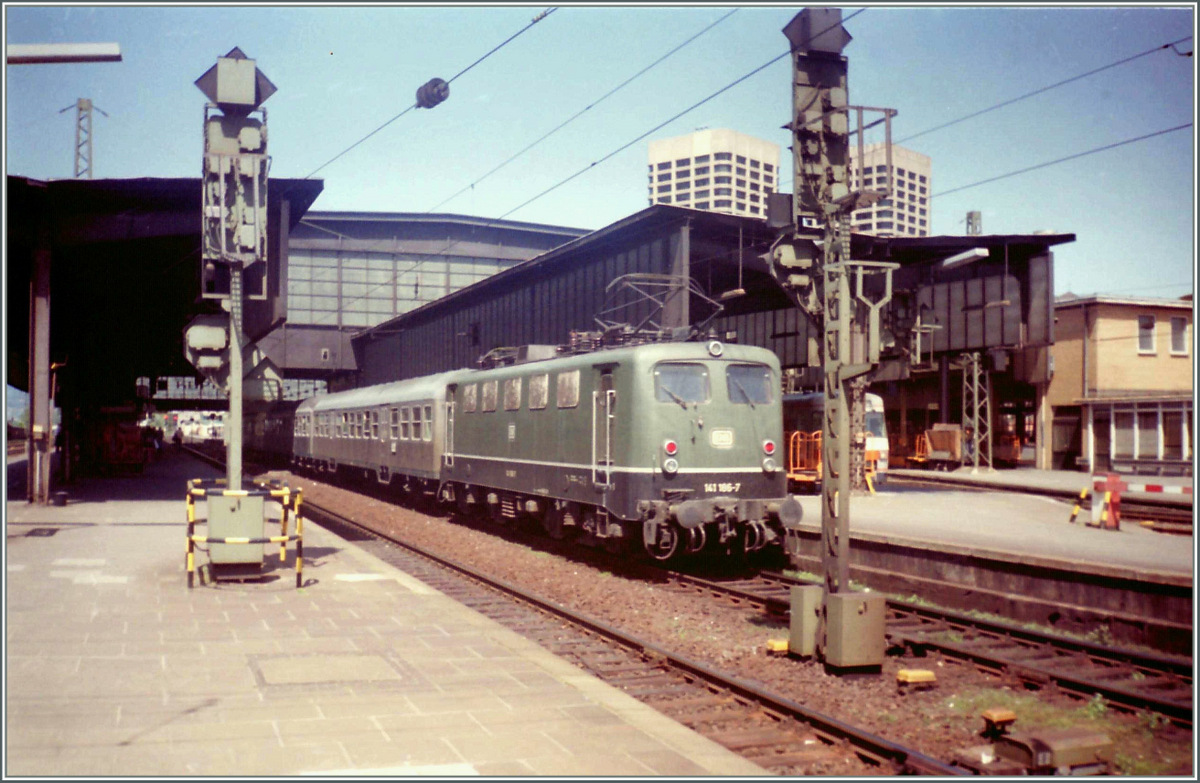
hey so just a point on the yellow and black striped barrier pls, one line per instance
(1083, 493)
(288, 499)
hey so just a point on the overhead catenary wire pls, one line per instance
(623, 147)
(1041, 90)
(494, 49)
(1063, 159)
(1047, 88)
(582, 111)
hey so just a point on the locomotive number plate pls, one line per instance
(723, 487)
(721, 439)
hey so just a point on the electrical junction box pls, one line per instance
(856, 627)
(804, 617)
(235, 516)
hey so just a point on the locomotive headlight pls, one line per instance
(769, 466)
(769, 447)
(670, 466)
(671, 448)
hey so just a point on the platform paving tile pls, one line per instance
(669, 763)
(377, 708)
(401, 752)
(433, 702)
(253, 760)
(606, 763)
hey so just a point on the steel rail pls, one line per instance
(865, 743)
(1144, 662)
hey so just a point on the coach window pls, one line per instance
(417, 425)
(427, 434)
(489, 396)
(405, 423)
(394, 417)
(470, 398)
(748, 384)
(681, 382)
(512, 394)
(539, 391)
(568, 389)
(375, 424)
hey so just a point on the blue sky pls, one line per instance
(343, 72)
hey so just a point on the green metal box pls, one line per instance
(856, 630)
(805, 615)
(236, 516)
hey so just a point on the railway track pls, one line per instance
(1127, 679)
(770, 730)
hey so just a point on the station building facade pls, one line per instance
(1122, 391)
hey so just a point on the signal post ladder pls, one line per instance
(286, 498)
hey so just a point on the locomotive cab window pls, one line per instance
(568, 389)
(539, 391)
(470, 398)
(512, 394)
(489, 396)
(748, 384)
(681, 382)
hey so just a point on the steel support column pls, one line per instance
(39, 442)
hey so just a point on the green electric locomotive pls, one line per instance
(675, 446)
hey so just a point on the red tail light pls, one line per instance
(671, 448)
(768, 447)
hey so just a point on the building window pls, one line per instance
(741, 194)
(723, 204)
(921, 223)
(701, 170)
(741, 159)
(683, 161)
(702, 182)
(753, 210)
(754, 175)
(884, 224)
(921, 190)
(723, 168)
(723, 180)
(683, 173)
(921, 179)
(753, 198)
(753, 164)
(741, 205)
(702, 205)
(702, 159)
(662, 166)
(723, 191)
(664, 177)
(1145, 334)
(702, 194)
(1179, 336)
(768, 167)
(664, 188)
(682, 185)
(723, 156)
(741, 172)
(664, 199)
(754, 186)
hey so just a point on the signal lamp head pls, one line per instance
(768, 447)
(671, 448)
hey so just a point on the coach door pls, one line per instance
(604, 411)
(448, 435)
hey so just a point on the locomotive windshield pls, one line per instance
(748, 384)
(681, 382)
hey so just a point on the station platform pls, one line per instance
(115, 668)
(1055, 483)
(1026, 518)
